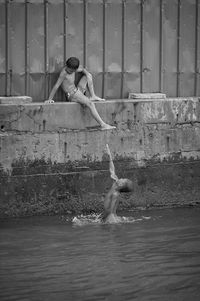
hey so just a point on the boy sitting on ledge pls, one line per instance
(75, 88)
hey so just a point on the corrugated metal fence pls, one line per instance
(128, 45)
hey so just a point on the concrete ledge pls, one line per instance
(16, 100)
(58, 117)
(149, 96)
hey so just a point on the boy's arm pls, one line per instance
(55, 88)
(111, 165)
(90, 84)
(85, 71)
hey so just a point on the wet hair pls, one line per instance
(72, 63)
(127, 186)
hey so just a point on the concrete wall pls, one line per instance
(53, 157)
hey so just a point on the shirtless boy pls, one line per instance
(75, 91)
(111, 201)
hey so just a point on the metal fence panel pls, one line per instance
(94, 36)
(113, 49)
(3, 48)
(17, 47)
(197, 87)
(36, 42)
(151, 45)
(170, 46)
(187, 47)
(94, 42)
(75, 29)
(129, 45)
(55, 43)
(132, 47)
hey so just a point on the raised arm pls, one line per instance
(111, 165)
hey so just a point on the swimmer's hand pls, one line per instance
(49, 101)
(108, 151)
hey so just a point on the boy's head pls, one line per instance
(72, 64)
(124, 185)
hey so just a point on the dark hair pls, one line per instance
(72, 62)
(126, 187)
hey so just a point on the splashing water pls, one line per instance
(82, 220)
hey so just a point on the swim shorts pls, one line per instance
(75, 88)
(71, 94)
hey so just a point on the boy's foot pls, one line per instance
(107, 127)
(97, 98)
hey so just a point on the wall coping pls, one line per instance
(27, 100)
(63, 116)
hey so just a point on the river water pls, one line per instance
(150, 255)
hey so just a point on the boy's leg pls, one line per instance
(79, 97)
(85, 82)
(82, 84)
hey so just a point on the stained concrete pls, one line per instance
(15, 99)
(53, 157)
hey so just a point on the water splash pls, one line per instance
(82, 220)
(95, 219)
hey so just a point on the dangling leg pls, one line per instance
(82, 99)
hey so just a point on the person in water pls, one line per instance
(111, 200)
(74, 80)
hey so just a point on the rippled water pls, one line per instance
(151, 255)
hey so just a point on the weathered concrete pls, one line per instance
(53, 157)
(40, 117)
(15, 99)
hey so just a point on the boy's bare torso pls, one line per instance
(68, 83)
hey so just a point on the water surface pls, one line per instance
(151, 255)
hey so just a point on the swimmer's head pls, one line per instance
(124, 185)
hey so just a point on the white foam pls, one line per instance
(82, 220)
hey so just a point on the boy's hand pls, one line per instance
(49, 101)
